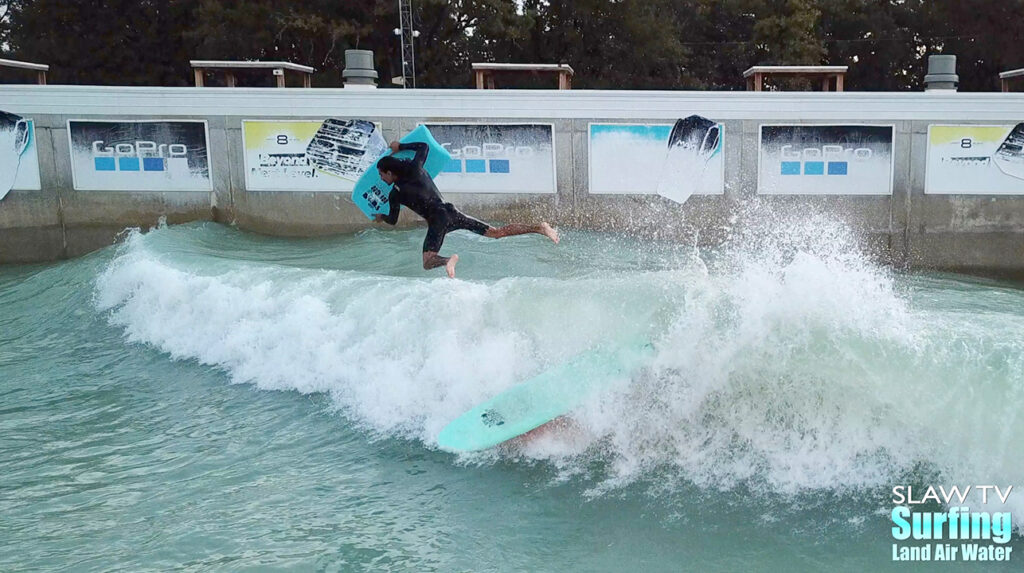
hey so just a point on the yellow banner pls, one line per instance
(946, 134)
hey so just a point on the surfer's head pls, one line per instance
(390, 169)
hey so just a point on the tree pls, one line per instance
(985, 36)
(626, 44)
(456, 33)
(104, 42)
(881, 41)
(612, 44)
(717, 35)
(6, 12)
(307, 32)
(786, 32)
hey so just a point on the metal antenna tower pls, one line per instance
(408, 33)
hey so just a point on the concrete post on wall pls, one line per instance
(31, 225)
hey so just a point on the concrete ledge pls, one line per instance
(985, 253)
(84, 239)
(31, 244)
(444, 105)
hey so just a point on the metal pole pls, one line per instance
(408, 50)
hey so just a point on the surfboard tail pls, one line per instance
(548, 395)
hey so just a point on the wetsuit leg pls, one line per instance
(437, 227)
(459, 220)
(434, 239)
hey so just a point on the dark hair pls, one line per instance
(394, 165)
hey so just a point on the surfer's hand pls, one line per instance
(377, 218)
(394, 147)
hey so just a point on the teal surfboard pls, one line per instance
(541, 399)
(371, 193)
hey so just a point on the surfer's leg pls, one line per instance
(432, 260)
(460, 220)
(520, 229)
(432, 244)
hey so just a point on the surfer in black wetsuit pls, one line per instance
(416, 190)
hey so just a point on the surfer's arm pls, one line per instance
(419, 147)
(392, 217)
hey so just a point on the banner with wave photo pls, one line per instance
(140, 155)
(825, 160)
(19, 161)
(975, 160)
(648, 159)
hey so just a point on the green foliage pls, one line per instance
(881, 41)
(103, 42)
(986, 36)
(786, 32)
(611, 44)
(460, 32)
(6, 11)
(313, 33)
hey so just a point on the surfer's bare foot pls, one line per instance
(549, 232)
(450, 265)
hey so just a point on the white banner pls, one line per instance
(139, 155)
(496, 158)
(825, 160)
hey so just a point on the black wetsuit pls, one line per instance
(416, 190)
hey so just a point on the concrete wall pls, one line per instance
(972, 233)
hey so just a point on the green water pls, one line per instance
(204, 399)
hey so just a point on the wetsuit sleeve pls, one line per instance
(420, 148)
(392, 217)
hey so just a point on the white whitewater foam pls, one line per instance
(794, 364)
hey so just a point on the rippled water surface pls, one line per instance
(199, 398)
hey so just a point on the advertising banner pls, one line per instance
(327, 155)
(19, 163)
(825, 160)
(650, 158)
(497, 158)
(139, 155)
(975, 159)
